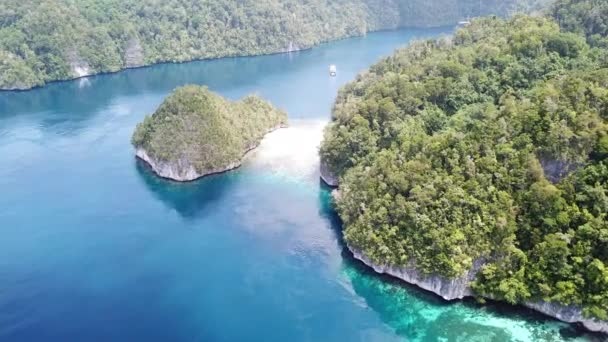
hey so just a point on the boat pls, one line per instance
(333, 71)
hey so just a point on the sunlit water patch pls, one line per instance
(291, 152)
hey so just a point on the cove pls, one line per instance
(94, 247)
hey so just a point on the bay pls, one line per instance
(94, 247)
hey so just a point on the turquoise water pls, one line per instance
(96, 248)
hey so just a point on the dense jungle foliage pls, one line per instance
(588, 17)
(489, 146)
(201, 128)
(46, 40)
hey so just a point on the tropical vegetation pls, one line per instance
(47, 40)
(588, 17)
(489, 146)
(195, 127)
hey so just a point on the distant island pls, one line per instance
(477, 165)
(196, 132)
(48, 40)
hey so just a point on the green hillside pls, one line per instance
(44, 40)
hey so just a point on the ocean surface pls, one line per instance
(94, 247)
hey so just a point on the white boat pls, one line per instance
(333, 70)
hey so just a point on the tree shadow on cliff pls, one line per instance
(190, 199)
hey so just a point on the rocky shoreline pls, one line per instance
(458, 288)
(448, 289)
(184, 171)
(453, 289)
(134, 59)
(569, 314)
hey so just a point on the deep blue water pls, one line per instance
(94, 247)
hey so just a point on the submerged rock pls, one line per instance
(195, 133)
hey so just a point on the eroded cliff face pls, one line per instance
(78, 66)
(181, 171)
(448, 289)
(459, 288)
(134, 54)
(327, 176)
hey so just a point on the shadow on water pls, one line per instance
(192, 199)
(328, 211)
(421, 315)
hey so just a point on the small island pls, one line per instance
(195, 133)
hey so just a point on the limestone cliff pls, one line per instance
(459, 288)
(327, 176)
(556, 170)
(134, 54)
(79, 67)
(569, 314)
(448, 289)
(183, 169)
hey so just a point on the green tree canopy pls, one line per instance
(195, 127)
(46, 40)
(488, 146)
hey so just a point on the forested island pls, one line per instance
(48, 40)
(195, 132)
(477, 165)
(472, 165)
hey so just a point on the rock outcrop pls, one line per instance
(181, 171)
(78, 66)
(327, 176)
(134, 54)
(556, 170)
(448, 289)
